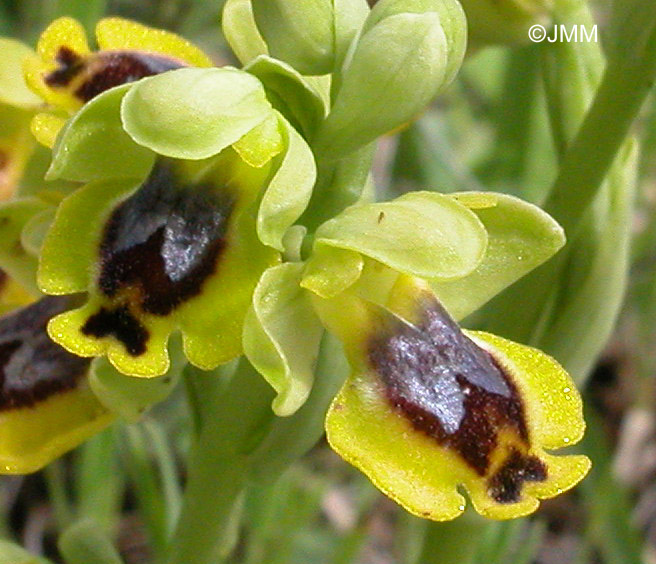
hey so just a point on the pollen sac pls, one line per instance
(430, 408)
(46, 406)
(172, 253)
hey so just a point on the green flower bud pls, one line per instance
(504, 21)
(407, 52)
(299, 33)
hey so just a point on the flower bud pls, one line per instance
(504, 21)
(299, 33)
(407, 52)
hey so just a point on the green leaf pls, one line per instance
(289, 191)
(194, 113)
(13, 90)
(86, 543)
(299, 33)
(421, 233)
(282, 336)
(383, 88)
(520, 237)
(93, 144)
(240, 31)
(131, 397)
(593, 287)
(290, 93)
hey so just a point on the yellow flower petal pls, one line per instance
(46, 405)
(120, 34)
(45, 127)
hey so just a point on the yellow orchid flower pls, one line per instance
(67, 74)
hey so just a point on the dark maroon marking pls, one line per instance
(112, 68)
(165, 240)
(32, 367)
(106, 69)
(3, 279)
(70, 65)
(505, 486)
(450, 389)
(121, 324)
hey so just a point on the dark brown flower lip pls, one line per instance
(32, 367)
(159, 247)
(453, 391)
(105, 69)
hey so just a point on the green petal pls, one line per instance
(194, 113)
(520, 237)
(282, 336)
(81, 150)
(132, 397)
(291, 94)
(13, 90)
(400, 81)
(349, 15)
(14, 258)
(331, 270)
(240, 31)
(299, 33)
(421, 233)
(289, 191)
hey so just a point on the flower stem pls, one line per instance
(233, 416)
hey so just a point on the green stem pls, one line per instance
(240, 441)
(453, 542)
(624, 87)
(233, 418)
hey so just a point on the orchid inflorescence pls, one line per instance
(204, 214)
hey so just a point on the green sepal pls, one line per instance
(66, 257)
(289, 191)
(299, 33)
(240, 31)
(331, 270)
(11, 553)
(93, 144)
(290, 93)
(421, 233)
(282, 336)
(132, 397)
(452, 20)
(14, 258)
(35, 230)
(349, 16)
(401, 79)
(13, 90)
(194, 113)
(520, 237)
